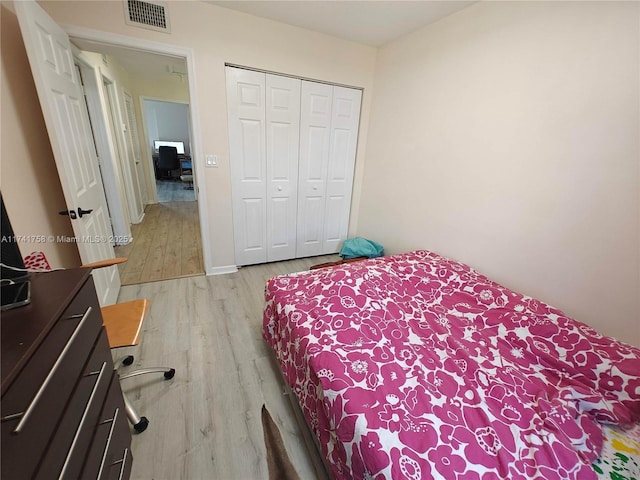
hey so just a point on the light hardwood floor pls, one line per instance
(205, 423)
(167, 244)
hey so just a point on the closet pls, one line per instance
(292, 155)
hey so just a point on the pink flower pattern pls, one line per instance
(416, 366)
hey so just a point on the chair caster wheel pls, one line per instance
(170, 373)
(128, 360)
(142, 425)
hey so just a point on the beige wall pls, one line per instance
(507, 136)
(219, 35)
(167, 88)
(28, 176)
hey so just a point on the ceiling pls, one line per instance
(368, 22)
(372, 23)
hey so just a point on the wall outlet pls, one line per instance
(211, 160)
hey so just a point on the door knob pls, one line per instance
(82, 212)
(71, 213)
(315, 187)
(279, 188)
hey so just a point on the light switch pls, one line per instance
(211, 160)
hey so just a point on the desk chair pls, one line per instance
(168, 160)
(123, 323)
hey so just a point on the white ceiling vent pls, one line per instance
(151, 15)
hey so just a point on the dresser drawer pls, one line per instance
(32, 406)
(110, 453)
(121, 470)
(68, 447)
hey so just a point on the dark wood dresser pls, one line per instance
(63, 415)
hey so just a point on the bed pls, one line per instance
(416, 366)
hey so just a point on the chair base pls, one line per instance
(123, 361)
(139, 423)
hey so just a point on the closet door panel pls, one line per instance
(283, 141)
(315, 137)
(292, 156)
(253, 223)
(246, 115)
(333, 228)
(312, 230)
(345, 120)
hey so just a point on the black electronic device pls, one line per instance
(15, 294)
(12, 262)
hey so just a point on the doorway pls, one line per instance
(167, 125)
(167, 242)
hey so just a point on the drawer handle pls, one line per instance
(106, 448)
(27, 413)
(123, 461)
(83, 420)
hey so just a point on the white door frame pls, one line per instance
(106, 153)
(197, 157)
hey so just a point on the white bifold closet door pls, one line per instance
(292, 155)
(264, 129)
(330, 116)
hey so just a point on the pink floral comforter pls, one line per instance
(416, 366)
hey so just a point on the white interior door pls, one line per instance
(345, 119)
(65, 115)
(111, 179)
(282, 141)
(136, 156)
(127, 164)
(246, 113)
(315, 129)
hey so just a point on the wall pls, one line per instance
(167, 121)
(29, 179)
(217, 35)
(507, 136)
(169, 88)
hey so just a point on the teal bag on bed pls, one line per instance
(361, 247)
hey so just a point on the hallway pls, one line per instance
(167, 244)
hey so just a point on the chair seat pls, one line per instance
(123, 322)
